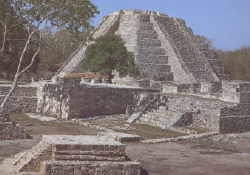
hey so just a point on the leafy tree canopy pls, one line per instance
(73, 15)
(236, 63)
(107, 54)
(13, 29)
(56, 15)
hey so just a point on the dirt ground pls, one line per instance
(192, 158)
(220, 155)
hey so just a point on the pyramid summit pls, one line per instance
(165, 48)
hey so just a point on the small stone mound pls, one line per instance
(121, 137)
(79, 155)
(10, 130)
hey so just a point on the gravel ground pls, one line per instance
(218, 155)
(194, 158)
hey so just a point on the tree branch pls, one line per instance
(24, 50)
(19, 72)
(4, 35)
(32, 61)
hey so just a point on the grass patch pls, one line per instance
(23, 119)
(37, 127)
(151, 132)
(199, 130)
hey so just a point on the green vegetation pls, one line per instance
(72, 15)
(63, 25)
(107, 54)
(151, 132)
(236, 63)
(13, 36)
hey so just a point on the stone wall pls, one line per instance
(166, 111)
(23, 99)
(206, 112)
(237, 118)
(230, 91)
(235, 124)
(71, 99)
(10, 131)
(22, 90)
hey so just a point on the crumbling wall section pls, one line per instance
(71, 99)
(168, 111)
(237, 118)
(23, 99)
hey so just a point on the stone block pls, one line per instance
(235, 124)
(245, 97)
(91, 168)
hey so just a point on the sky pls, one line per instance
(225, 22)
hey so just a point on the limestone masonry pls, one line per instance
(78, 155)
(165, 48)
(182, 84)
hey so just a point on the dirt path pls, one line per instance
(189, 159)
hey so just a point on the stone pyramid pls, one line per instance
(165, 48)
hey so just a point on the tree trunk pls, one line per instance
(110, 77)
(20, 71)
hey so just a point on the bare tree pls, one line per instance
(20, 70)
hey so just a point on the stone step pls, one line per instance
(146, 27)
(161, 59)
(156, 68)
(145, 18)
(149, 43)
(152, 51)
(147, 32)
(148, 36)
(89, 158)
(96, 153)
(85, 167)
(65, 148)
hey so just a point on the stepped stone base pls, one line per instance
(78, 155)
(90, 168)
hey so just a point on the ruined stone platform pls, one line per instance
(78, 155)
(121, 137)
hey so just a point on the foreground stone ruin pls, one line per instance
(78, 155)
